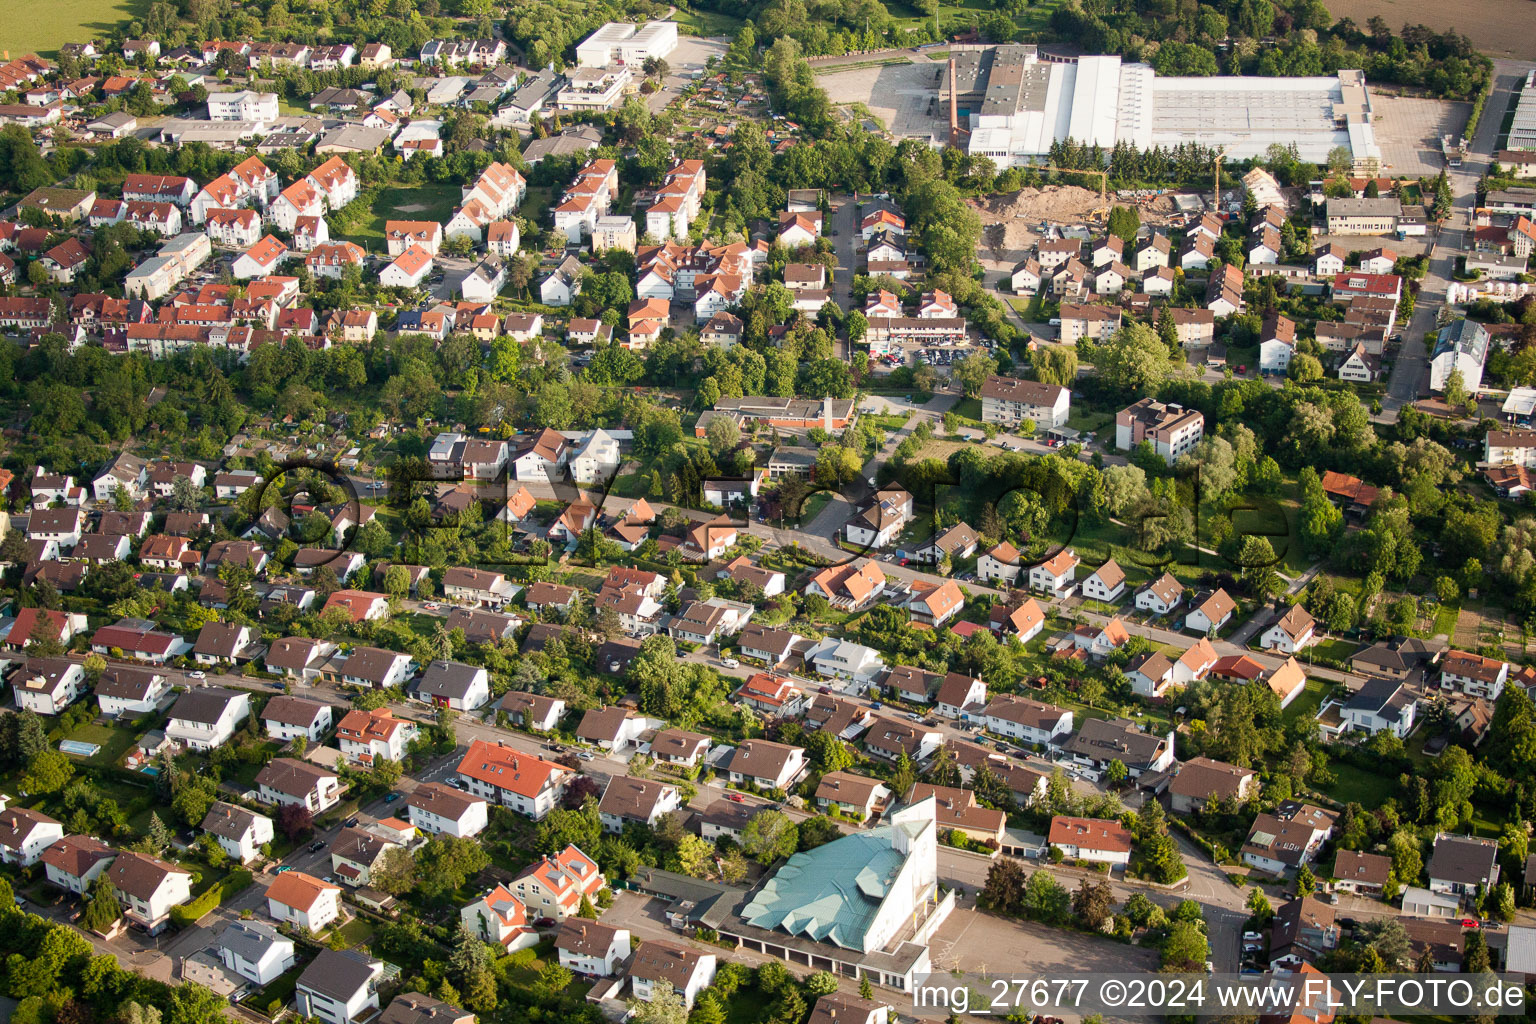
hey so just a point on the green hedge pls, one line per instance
(232, 883)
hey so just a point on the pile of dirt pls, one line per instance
(1059, 203)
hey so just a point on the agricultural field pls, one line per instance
(1499, 28)
(42, 26)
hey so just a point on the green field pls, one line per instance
(406, 202)
(42, 26)
(706, 23)
(958, 17)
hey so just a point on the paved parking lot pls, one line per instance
(903, 96)
(1408, 130)
(981, 942)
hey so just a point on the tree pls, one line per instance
(972, 371)
(1305, 368)
(1046, 900)
(664, 1007)
(1116, 771)
(294, 820)
(554, 978)
(1003, 891)
(723, 436)
(769, 836)
(1093, 904)
(1258, 906)
(1135, 361)
(1306, 881)
(396, 872)
(158, 835)
(104, 909)
(1124, 222)
(445, 863)
(1055, 364)
(1185, 946)
(1388, 938)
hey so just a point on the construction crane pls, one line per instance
(1216, 162)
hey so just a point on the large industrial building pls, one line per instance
(622, 43)
(1010, 104)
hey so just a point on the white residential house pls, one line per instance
(366, 735)
(1290, 632)
(286, 718)
(1056, 575)
(287, 781)
(240, 833)
(303, 901)
(439, 809)
(339, 987)
(25, 834)
(255, 951)
(591, 947)
(1161, 596)
(662, 962)
(207, 717)
(1106, 583)
(499, 917)
(130, 690)
(148, 888)
(46, 686)
(74, 862)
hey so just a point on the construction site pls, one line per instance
(1012, 223)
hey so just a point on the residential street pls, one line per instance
(1409, 369)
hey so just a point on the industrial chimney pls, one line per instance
(954, 111)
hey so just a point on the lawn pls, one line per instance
(357, 931)
(536, 203)
(968, 409)
(114, 743)
(1084, 420)
(1353, 785)
(407, 202)
(1306, 704)
(281, 990)
(42, 26)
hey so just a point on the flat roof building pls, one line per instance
(1011, 105)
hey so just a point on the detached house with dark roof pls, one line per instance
(25, 834)
(207, 717)
(224, 643)
(287, 781)
(74, 862)
(591, 947)
(240, 833)
(1100, 741)
(286, 717)
(1288, 838)
(628, 800)
(148, 888)
(766, 764)
(1201, 778)
(454, 685)
(439, 809)
(1462, 865)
